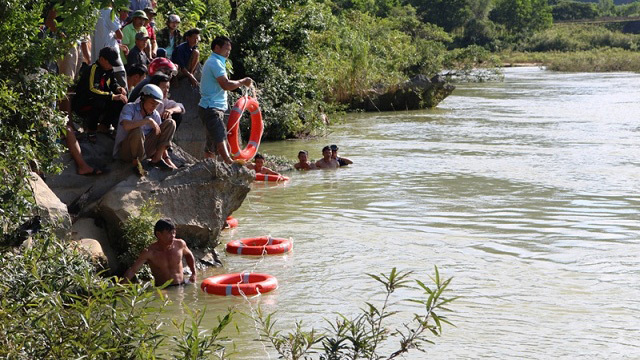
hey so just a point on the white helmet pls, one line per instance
(152, 91)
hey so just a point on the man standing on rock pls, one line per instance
(165, 256)
(214, 85)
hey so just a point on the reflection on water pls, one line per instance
(525, 191)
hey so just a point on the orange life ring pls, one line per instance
(257, 127)
(270, 177)
(232, 222)
(239, 283)
(260, 245)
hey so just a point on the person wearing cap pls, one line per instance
(303, 161)
(98, 93)
(169, 38)
(343, 161)
(187, 56)
(150, 25)
(137, 55)
(129, 32)
(165, 257)
(157, 66)
(213, 98)
(142, 134)
(327, 162)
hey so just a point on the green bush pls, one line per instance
(138, 232)
(362, 335)
(580, 37)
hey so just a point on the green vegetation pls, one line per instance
(361, 336)
(53, 305)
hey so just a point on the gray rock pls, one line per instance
(191, 133)
(419, 92)
(79, 191)
(94, 241)
(49, 208)
(198, 198)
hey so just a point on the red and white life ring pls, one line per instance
(233, 125)
(239, 283)
(259, 246)
(270, 177)
(232, 222)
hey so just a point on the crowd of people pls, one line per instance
(122, 74)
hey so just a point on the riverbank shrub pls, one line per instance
(580, 37)
(361, 336)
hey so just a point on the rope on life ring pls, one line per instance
(233, 124)
(238, 284)
(259, 246)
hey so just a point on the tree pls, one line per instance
(574, 10)
(522, 17)
(448, 14)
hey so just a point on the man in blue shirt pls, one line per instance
(213, 98)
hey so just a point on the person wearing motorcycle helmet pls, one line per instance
(142, 134)
(158, 65)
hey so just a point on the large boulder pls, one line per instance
(50, 210)
(198, 198)
(419, 92)
(78, 192)
(94, 240)
(191, 134)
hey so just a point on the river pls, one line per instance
(524, 191)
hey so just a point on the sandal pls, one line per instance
(161, 165)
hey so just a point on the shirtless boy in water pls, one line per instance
(327, 162)
(304, 163)
(165, 256)
(259, 167)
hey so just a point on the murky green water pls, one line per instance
(525, 191)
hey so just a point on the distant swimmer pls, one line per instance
(342, 160)
(259, 167)
(304, 163)
(165, 256)
(327, 162)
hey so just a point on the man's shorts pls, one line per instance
(213, 120)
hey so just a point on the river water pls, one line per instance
(525, 191)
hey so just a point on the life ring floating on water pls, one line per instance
(260, 245)
(232, 222)
(257, 127)
(270, 177)
(239, 283)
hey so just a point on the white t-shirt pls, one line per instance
(105, 34)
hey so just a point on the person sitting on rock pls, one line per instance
(129, 32)
(137, 55)
(98, 97)
(303, 163)
(142, 134)
(327, 162)
(165, 257)
(187, 56)
(259, 168)
(157, 66)
(343, 161)
(168, 109)
(135, 74)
